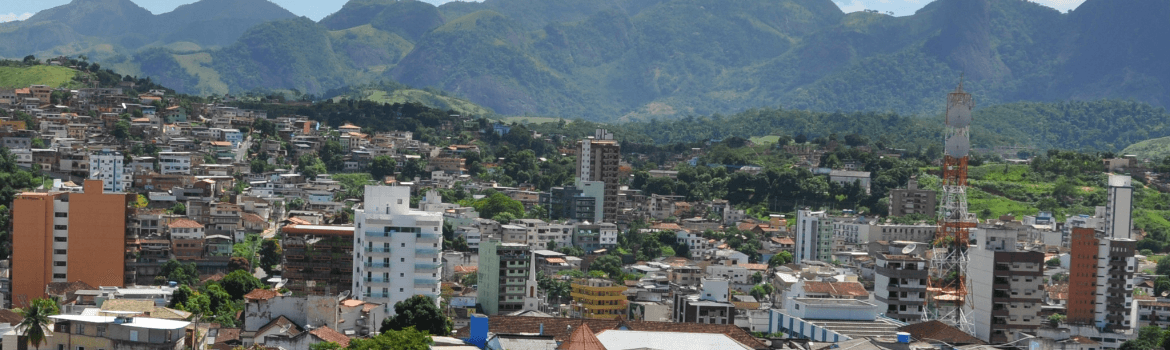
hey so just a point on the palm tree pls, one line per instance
(36, 321)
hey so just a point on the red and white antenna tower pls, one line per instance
(948, 288)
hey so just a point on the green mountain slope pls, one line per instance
(1153, 149)
(645, 59)
(107, 28)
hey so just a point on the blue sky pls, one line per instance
(317, 9)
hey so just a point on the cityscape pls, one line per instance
(223, 209)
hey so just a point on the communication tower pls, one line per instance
(948, 288)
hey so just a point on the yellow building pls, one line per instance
(598, 298)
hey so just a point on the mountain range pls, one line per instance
(613, 60)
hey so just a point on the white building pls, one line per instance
(396, 249)
(231, 135)
(106, 165)
(174, 163)
(814, 236)
(1118, 210)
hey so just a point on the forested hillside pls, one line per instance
(624, 60)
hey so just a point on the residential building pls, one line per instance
(1011, 301)
(106, 165)
(912, 200)
(400, 245)
(598, 298)
(1119, 207)
(896, 232)
(814, 236)
(1100, 280)
(848, 177)
(597, 160)
(115, 332)
(318, 259)
(569, 202)
(65, 237)
(186, 239)
(712, 303)
(503, 269)
(590, 237)
(174, 163)
(900, 282)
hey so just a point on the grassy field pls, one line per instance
(760, 140)
(15, 77)
(429, 99)
(1154, 149)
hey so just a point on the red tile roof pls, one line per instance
(938, 331)
(561, 328)
(261, 294)
(328, 334)
(184, 223)
(760, 267)
(1057, 291)
(227, 334)
(582, 339)
(836, 289)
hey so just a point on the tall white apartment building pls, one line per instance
(814, 236)
(397, 250)
(106, 165)
(1119, 208)
(174, 163)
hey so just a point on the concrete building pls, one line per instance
(597, 160)
(848, 177)
(1119, 207)
(67, 237)
(912, 200)
(318, 259)
(912, 233)
(711, 305)
(106, 165)
(1101, 280)
(590, 237)
(814, 236)
(400, 245)
(900, 282)
(186, 239)
(570, 202)
(598, 298)
(110, 332)
(503, 270)
(1011, 301)
(174, 163)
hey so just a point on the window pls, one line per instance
(61, 214)
(60, 227)
(58, 251)
(58, 263)
(58, 275)
(133, 335)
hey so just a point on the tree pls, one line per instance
(418, 311)
(180, 273)
(1161, 284)
(1149, 337)
(757, 277)
(406, 339)
(780, 258)
(239, 263)
(496, 203)
(1053, 262)
(382, 166)
(179, 209)
(30, 59)
(122, 130)
(240, 282)
(270, 254)
(1055, 319)
(759, 291)
(1163, 266)
(35, 321)
(609, 264)
(328, 345)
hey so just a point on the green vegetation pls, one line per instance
(21, 77)
(35, 322)
(1149, 149)
(419, 312)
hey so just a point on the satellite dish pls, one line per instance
(1165, 293)
(958, 146)
(959, 115)
(909, 248)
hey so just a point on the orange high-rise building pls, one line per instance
(1082, 276)
(67, 237)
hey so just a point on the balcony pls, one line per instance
(427, 282)
(377, 250)
(429, 236)
(377, 295)
(378, 265)
(376, 279)
(426, 251)
(426, 265)
(377, 234)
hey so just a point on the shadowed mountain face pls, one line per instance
(640, 59)
(106, 27)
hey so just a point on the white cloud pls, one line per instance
(855, 6)
(1063, 5)
(14, 17)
